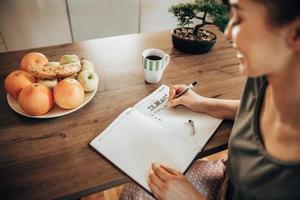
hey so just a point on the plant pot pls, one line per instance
(194, 46)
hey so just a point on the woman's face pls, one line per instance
(261, 47)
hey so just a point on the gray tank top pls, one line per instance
(253, 173)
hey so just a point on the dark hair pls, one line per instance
(282, 11)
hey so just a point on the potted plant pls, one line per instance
(194, 39)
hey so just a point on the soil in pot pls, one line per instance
(188, 33)
(184, 39)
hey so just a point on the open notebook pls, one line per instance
(151, 132)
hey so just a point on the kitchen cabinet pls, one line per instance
(34, 23)
(103, 18)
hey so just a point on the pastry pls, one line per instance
(54, 72)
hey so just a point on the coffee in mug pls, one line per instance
(154, 57)
(154, 63)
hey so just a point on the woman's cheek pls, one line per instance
(236, 38)
(235, 33)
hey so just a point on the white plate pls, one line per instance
(54, 112)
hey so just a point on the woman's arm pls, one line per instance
(220, 108)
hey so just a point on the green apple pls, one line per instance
(87, 65)
(73, 76)
(65, 59)
(48, 83)
(89, 80)
(53, 64)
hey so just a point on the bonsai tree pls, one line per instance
(186, 12)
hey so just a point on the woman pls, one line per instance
(264, 146)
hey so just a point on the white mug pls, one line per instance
(155, 61)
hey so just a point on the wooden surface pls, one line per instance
(49, 158)
(110, 194)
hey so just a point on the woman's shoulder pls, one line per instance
(253, 87)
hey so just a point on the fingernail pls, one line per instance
(155, 165)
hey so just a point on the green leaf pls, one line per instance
(185, 12)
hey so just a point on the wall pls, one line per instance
(155, 15)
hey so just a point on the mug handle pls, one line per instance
(167, 60)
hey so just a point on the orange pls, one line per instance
(68, 93)
(16, 81)
(36, 99)
(33, 58)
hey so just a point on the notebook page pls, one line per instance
(176, 119)
(134, 141)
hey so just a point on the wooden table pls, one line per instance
(49, 158)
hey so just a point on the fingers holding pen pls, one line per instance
(189, 99)
(174, 90)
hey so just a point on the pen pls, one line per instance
(190, 86)
(191, 122)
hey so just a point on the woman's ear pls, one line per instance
(293, 39)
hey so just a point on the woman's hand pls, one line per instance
(169, 184)
(190, 99)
